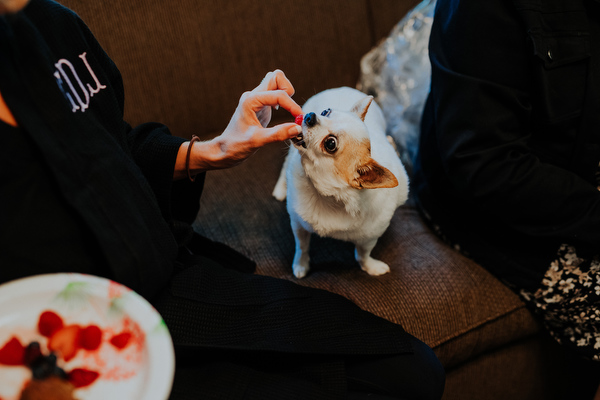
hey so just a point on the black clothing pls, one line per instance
(57, 233)
(284, 341)
(115, 178)
(367, 377)
(112, 185)
(510, 142)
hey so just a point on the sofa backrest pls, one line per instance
(185, 63)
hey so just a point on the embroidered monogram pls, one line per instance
(78, 94)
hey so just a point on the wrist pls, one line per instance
(206, 155)
(194, 157)
(190, 170)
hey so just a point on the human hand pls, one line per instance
(247, 131)
(273, 81)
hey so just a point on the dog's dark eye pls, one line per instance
(326, 113)
(330, 144)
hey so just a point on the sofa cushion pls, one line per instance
(441, 297)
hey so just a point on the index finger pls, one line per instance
(273, 98)
(276, 80)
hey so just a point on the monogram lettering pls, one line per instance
(77, 94)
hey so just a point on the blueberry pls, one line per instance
(32, 353)
(44, 366)
(41, 369)
(59, 372)
(51, 359)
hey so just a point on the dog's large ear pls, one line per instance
(361, 107)
(372, 175)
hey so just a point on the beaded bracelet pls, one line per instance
(187, 158)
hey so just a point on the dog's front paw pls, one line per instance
(375, 267)
(280, 191)
(300, 271)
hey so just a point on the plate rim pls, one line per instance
(158, 383)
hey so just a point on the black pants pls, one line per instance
(412, 376)
(244, 336)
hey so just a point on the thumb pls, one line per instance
(279, 133)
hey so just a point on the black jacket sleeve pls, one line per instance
(483, 108)
(151, 145)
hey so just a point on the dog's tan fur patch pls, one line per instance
(372, 175)
(355, 165)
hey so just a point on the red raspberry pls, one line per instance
(12, 353)
(49, 323)
(90, 337)
(80, 377)
(121, 340)
(299, 119)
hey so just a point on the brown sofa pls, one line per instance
(185, 64)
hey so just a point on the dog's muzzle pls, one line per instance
(310, 120)
(299, 141)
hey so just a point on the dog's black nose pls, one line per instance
(310, 119)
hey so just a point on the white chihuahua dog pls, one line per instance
(342, 178)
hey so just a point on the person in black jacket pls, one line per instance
(83, 191)
(508, 162)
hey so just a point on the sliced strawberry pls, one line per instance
(80, 377)
(121, 340)
(12, 353)
(49, 323)
(90, 337)
(65, 341)
(299, 119)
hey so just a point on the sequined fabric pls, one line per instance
(397, 73)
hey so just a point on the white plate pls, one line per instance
(143, 369)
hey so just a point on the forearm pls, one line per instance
(245, 133)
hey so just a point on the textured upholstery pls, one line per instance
(443, 298)
(489, 343)
(186, 63)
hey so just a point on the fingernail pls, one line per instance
(295, 130)
(276, 107)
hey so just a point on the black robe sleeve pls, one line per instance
(153, 148)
